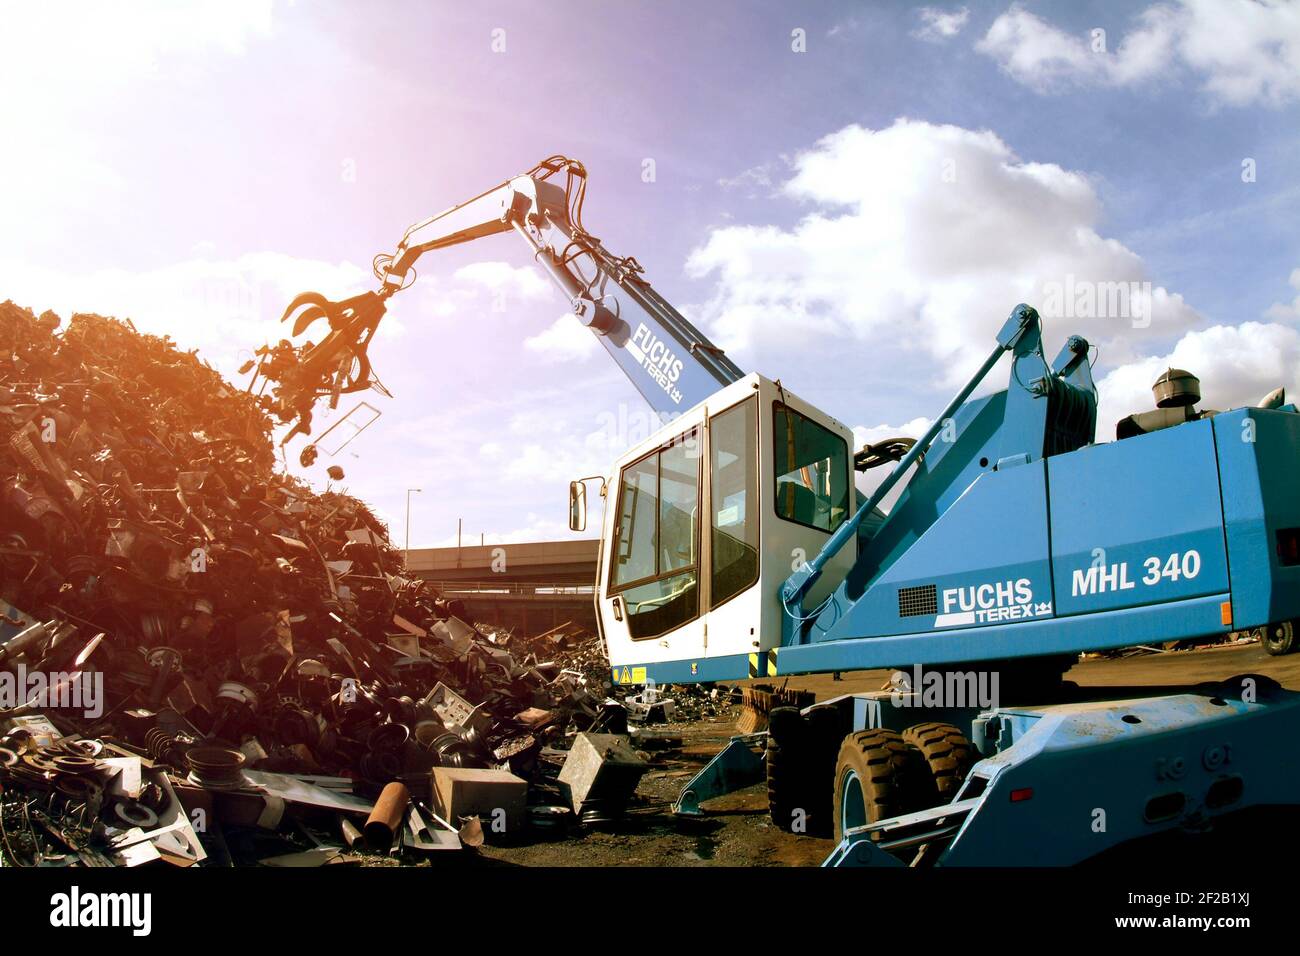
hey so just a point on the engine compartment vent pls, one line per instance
(914, 602)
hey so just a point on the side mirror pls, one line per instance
(577, 506)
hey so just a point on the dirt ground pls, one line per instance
(736, 830)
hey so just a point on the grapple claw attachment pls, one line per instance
(335, 366)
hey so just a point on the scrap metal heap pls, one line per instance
(191, 637)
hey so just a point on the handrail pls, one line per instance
(540, 588)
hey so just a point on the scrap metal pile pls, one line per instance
(193, 640)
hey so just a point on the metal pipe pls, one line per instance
(20, 643)
(350, 833)
(386, 817)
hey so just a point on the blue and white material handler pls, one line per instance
(735, 544)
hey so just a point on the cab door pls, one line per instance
(651, 593)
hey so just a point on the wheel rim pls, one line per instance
(853, 808)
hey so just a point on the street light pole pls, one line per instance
(406, 558)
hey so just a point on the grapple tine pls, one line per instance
(308, 316)
(314, 305)
(305, 298)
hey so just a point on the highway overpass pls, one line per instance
(529, 587)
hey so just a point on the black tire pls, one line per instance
(826, 728)
(784, 784)
(786, 724)
(1278, 639)
(800, 768)
(878, 775)
(947, 752)
(785, 779)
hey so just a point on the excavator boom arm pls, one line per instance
(669, 361)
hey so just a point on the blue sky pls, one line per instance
(855, 217)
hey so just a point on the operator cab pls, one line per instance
(706, 519)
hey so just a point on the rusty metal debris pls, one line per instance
(341, 433)
(600, 775)
(233, 633)
(235, 668)
(758, 700)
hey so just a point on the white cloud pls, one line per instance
(1147, 51)
(867, 482)
(539, 448)
(864, 435)
(100, 43)
(65, 66)
(1248, 51)
(938, 25)
(503, 278)
(1237, 366)
(1283, 311)
(752, 180)
(1241, 51)
(1038, 54)
(845, 28)
(923, 237)
(565, 339)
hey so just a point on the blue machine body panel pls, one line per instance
(1035, 638)
(1019, 564)
(948, 468)
(1138, 521)
(1258, 449)
(1017, 536)
(1001, 524)
(1154, 765)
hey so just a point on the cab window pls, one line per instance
(733, 490)
(656, 539)
(812, 467)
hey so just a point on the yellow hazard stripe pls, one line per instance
(762, 665)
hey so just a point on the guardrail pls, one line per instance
(499, 588)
